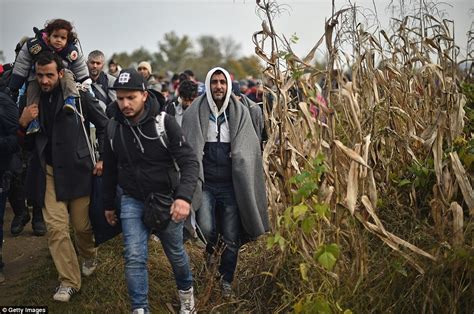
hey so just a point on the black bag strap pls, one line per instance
(100, 90)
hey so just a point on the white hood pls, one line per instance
(212, 105)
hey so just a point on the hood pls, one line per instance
(211, 102)
(152, 108)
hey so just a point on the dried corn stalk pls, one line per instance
(401, 111)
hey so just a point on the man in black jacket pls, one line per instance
(101, 81)
(8, 146)
(60, 173)
(136, 159)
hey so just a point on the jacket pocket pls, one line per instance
(83, 152)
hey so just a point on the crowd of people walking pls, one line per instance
(178, 158)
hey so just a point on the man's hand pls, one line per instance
(99, 167)
(180, 210)
(111, 217)
(29, 114)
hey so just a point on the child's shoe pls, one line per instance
(33, 127)
(70, 105)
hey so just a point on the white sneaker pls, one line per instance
(138, 311)
(186, 300)
(88, 266)
(63, 294)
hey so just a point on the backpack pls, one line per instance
(160, 132)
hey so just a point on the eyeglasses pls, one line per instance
(141, 68)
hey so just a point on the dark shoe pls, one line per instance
(39, 228)
(88, 266)
(18, 223)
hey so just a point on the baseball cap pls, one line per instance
(130, 79)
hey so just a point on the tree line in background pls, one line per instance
(176, 54)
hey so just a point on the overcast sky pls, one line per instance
(119, 25)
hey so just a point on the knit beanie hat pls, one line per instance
(145, 65)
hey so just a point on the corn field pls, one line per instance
(369, 174)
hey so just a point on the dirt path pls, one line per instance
(20, 255)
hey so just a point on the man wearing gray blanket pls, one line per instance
(230, 198)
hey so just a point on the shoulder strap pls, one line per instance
(160, 128)
(100, 90)
(89, 144)
(111, 128)
(161, 132)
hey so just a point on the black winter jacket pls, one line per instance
(153, 169)
(8, 128)
(71, 160)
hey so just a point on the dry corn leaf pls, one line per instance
(288, 85)
(463, 182)
(311, 122)
(366, 155)
(394, 238)
(352, 108)
(438, 215)
(438, 148)
(352, 184)
(351, 153)
(372, 189)
(457, 117)
(447, 185)
(376, 230)
(458, 222)
(310, 55)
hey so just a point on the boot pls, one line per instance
(16, 196)
(19, 222)
(38, 225)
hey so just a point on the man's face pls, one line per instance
(48, 76)
(144, 71)
(131, 103)
(186, 102)
(58, 38)
(218, 87)
(112, 67)
(95, 66)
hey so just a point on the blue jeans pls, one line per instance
(135, 237)
(219, 216)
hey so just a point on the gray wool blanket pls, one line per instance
(247, 167)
